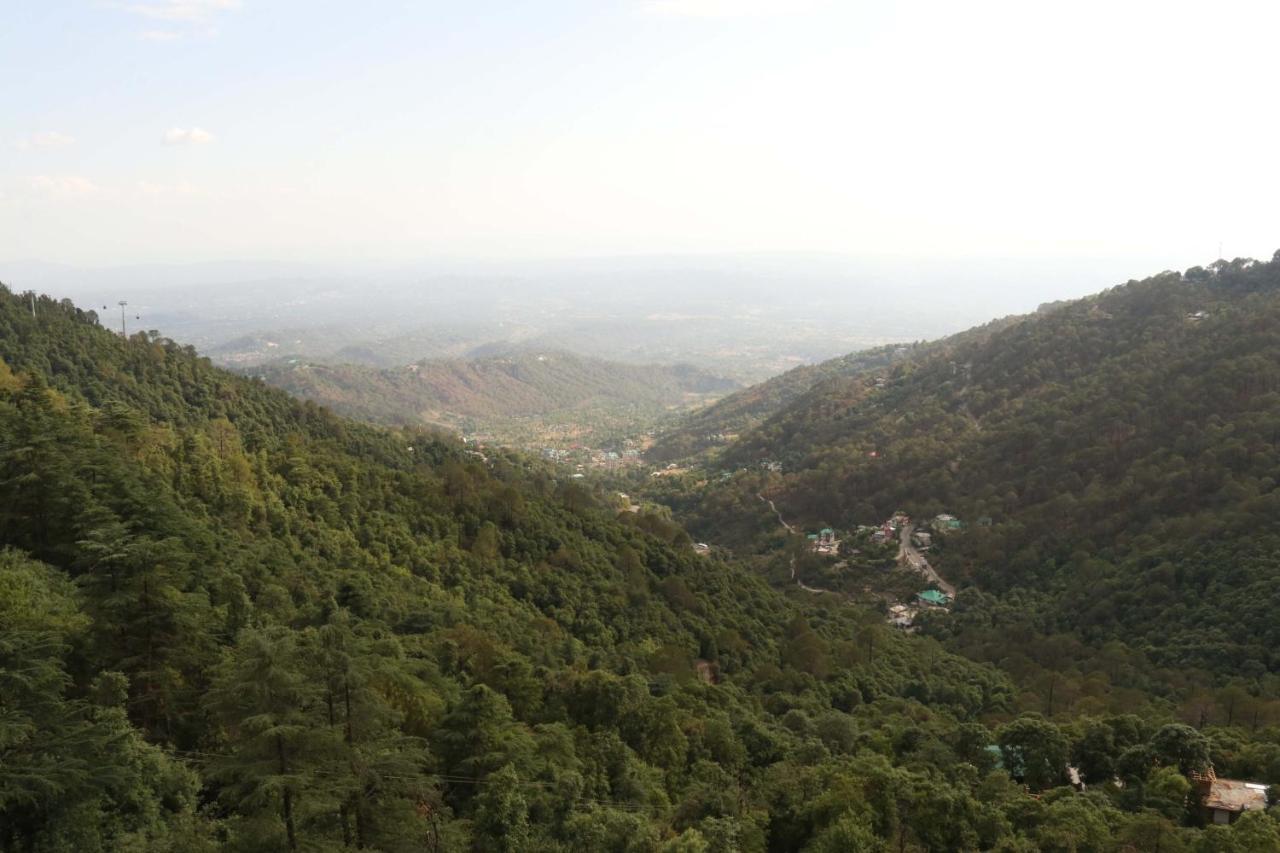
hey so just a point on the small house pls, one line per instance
(1224, 800)
(901, 616)
(933, 598)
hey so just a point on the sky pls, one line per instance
(172, 131)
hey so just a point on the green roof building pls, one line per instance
(933, 598)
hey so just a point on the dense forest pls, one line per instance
(713, 427)
(519, 394)
(1115, 461)
(719, 422)
(230, 620)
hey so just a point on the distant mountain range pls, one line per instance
(521, 383)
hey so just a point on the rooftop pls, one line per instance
(1233, 795)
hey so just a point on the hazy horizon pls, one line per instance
(830, 304)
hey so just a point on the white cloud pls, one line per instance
(181, 11)
(159, 35)
(64, 186)
(187, 136)
(729, 8)
(45, 139)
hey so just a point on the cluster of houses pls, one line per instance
(904, 615)
(584, 458)
(824, 542)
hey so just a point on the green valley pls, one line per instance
(550, 400)
(232, 620)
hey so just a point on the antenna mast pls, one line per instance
(123, 333)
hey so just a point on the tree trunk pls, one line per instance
(290, 830)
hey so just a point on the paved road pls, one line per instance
(910, 557)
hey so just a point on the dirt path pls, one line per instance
(794, 532)
(781, 520)
(907, 556)
(804, 585)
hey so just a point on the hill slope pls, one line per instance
(722, 420)
(230, 620)
(344, 636)
(720, 423)
(1122, 448)
(490, 394)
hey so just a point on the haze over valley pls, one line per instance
(661, 426)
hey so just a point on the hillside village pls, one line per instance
(911, 541)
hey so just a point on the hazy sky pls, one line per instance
(174, 130)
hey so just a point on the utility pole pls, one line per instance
(33, 303)
(123, 333)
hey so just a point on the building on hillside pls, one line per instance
(933, 598)
(826, 541)
(901, 616)
(1224, 800)
(947, 522)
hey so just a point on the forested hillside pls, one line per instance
(234, 621)
(719, 424)
(1115, 460)
(742, 409)
(493, 393)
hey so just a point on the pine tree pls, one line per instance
(277, 740)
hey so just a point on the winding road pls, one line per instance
(794, 532)
(912, 558)
(781, 520)
(908, 556)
